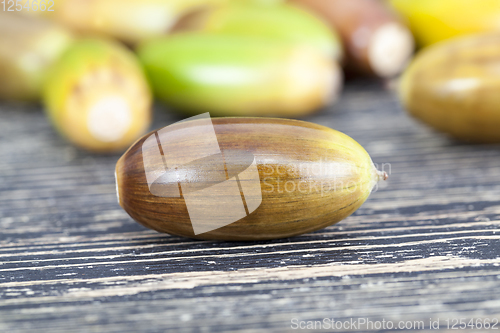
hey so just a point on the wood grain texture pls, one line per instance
(426, 245)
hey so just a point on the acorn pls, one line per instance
(130, 21)
(97, 96)
(432, 21)
(281, 23)
(453, 86)
(28, 47)
(375, 40)
(239, 75)
(243, 178)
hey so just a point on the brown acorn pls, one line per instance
(375, 40)
(243, 178)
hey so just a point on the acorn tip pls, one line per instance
(382, 175)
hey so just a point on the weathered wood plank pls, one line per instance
(426, 245)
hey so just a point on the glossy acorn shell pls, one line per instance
(454, 87)
(311, 177)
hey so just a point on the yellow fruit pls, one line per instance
(28, 47)
(244, 178)
(453, 86)
(97, 96)
(435, 20)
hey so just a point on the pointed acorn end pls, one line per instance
(376, 177)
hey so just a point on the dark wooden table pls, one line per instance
(425, 247)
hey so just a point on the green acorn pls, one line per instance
(236, 75)
(282, 23)
(97, 96)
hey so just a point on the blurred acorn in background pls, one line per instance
(28, 47)
(282, 23)
(239, 75)
(130, 21)
(257, 2)
(432, 21)
(97, 96)
(454, 87)
(375, 40)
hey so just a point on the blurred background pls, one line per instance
(97, 67)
